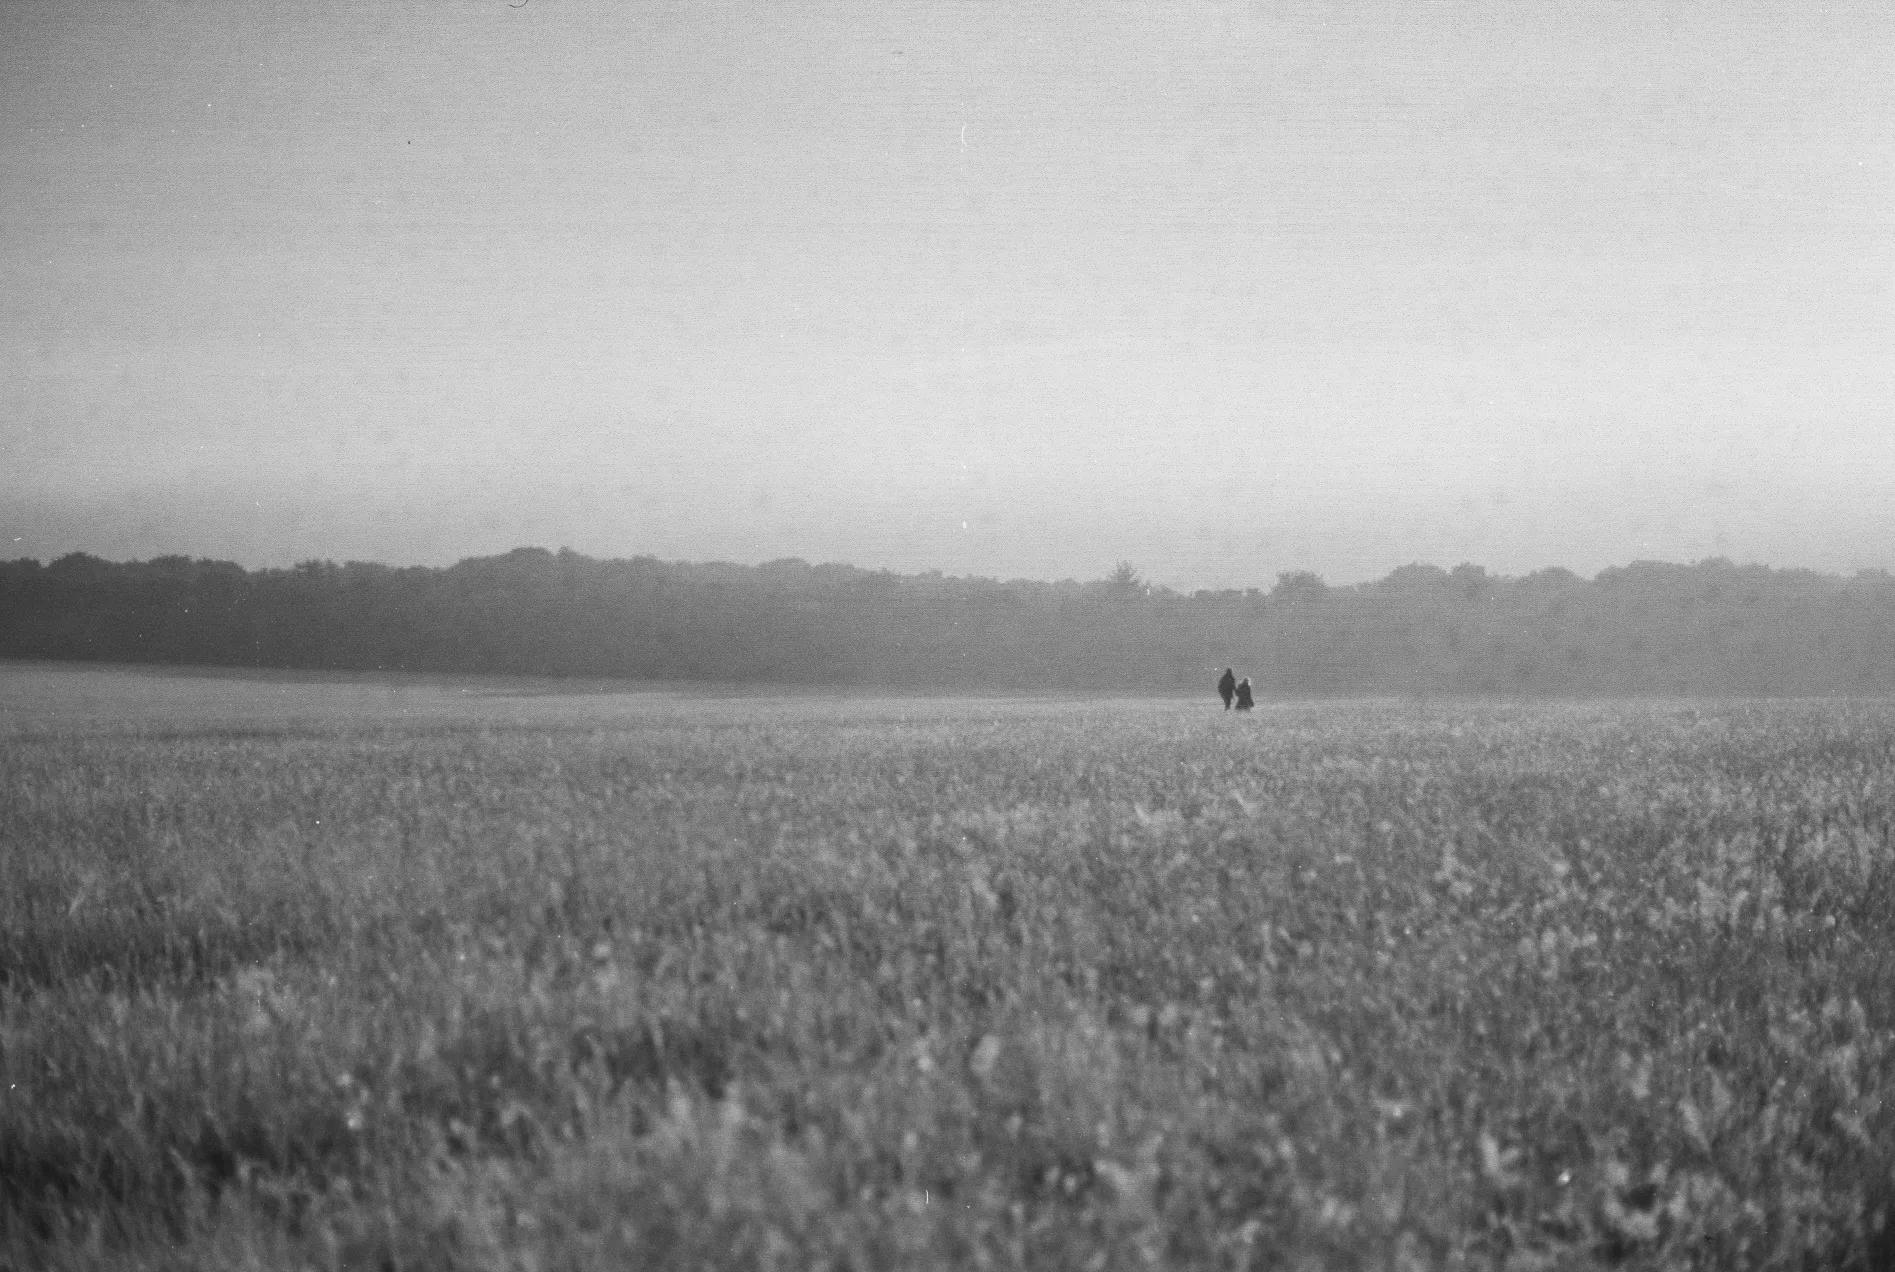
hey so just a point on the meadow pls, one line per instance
(426, 973)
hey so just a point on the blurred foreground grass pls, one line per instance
(329, 976)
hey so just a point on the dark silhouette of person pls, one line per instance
(1243, 695)
(1226, 687)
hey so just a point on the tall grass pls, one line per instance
(666, 983)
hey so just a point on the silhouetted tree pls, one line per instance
(1125, 580)
(1298, 586)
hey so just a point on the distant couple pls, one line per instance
(1229, 687)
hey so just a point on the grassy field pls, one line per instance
(446, 974)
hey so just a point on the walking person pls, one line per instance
(1227, 687)
(1243, 695)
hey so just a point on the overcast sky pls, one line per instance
(1003, 289)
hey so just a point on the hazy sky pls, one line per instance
(1004, 289)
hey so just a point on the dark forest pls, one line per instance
(1646, 628)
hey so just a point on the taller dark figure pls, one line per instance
(1227, 687)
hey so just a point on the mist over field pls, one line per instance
(1647, 628)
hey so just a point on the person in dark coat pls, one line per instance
(1243, 695)
(1226, 687)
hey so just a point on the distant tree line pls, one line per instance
(1711, 628)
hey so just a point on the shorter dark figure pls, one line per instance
(1227, 687)
(1243, 695)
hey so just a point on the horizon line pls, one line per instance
(1147, 584)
